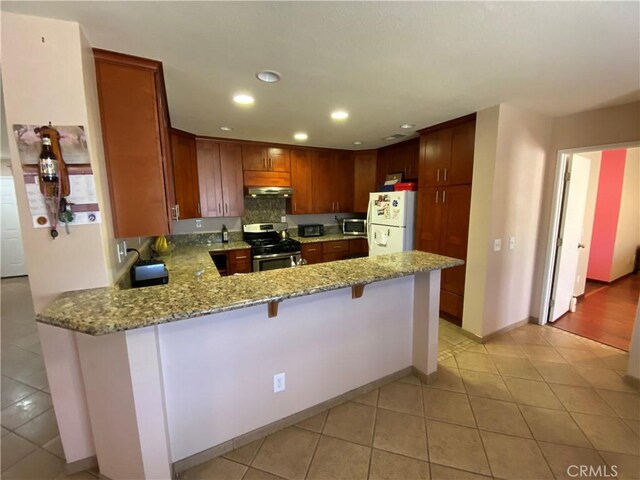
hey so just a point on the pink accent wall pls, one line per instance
(605, 221)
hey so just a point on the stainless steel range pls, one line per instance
(268, 248)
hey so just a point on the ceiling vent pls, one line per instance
(396, 136)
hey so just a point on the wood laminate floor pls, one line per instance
(606, 313)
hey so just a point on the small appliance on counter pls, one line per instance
(311, 230)
(354, 226)
(146, 273)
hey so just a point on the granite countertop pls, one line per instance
(106, 310)
(328, 238)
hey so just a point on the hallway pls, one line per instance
(606, 313)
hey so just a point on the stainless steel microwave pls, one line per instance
(354, 226)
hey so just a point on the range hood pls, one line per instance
(280, 192)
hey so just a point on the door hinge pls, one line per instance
(552, 303)
(567, 175)
(560, 242)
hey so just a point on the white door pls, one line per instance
(388, 208)
(573, 208)
(12, 261)
(385, 239)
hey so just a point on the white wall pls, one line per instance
(628, 232)
(73, 261)
(508, 205)
(606, 126)
(587, 226)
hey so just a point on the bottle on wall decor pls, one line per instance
(48, 161)
(225, 234)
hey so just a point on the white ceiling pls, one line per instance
(387, 63)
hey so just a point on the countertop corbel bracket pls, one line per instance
(357, 290)
(273, 308)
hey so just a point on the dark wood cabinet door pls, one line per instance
(324, 181)
(254, 157)
(344, 197)
(312, 252)
(231, 179)
(128, 95)
(435, 158)
(301, 182)
(462, 146)
(455, 233)
(429, 224)
(383, 165)
(364, 173)
(208, 155)
(278, 160)
(185, 173)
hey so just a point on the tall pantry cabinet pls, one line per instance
(444, 201)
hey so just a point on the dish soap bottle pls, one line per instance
(225, 234)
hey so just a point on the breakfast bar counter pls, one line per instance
(195, 288)
(154, 380)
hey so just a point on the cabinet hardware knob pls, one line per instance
(226, 207)
(436, 196)
(444, 196)
(438, 176)
(219, 208)
(240, 258)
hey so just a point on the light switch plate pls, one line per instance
(512, 243)
(497, 244)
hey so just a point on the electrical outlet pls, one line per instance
(121, 248)
(198, 223)
(283, 218)
(497, 245)
(512, 243)
(278, 383)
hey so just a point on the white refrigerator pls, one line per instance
(390, 221)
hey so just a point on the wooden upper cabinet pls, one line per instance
(185, 174)
(231, 179)
(435, 158)
(133, 118)
(345, 180)
(364, 181)
(301, 182)
(324, 181)
(220, 178)
(265, 159)
(462, 147)
(402, 158)
(278, 159)
(446, 153)
(208, 154)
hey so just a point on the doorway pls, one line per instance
(593, 241)
(12, 260)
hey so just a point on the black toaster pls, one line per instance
(146, 273)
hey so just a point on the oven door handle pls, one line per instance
(276, 255)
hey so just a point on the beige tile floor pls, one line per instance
(523, 406)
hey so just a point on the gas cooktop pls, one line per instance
(265, 239)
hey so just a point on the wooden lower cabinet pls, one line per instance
(335, 250)
(443, 228)
(232, 261)
(312, 252)
(239, 261)
(332, 250)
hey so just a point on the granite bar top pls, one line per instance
(329, 238)
(195, 288)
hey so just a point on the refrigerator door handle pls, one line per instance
(369, 225)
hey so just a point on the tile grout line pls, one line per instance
(373, 436)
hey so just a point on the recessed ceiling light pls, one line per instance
(226, 129)
(407, 125)
(268, 76)
(357, 143)
(339, 115)
(300, 136)
(243, 99)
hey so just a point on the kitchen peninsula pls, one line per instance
(165, 394)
